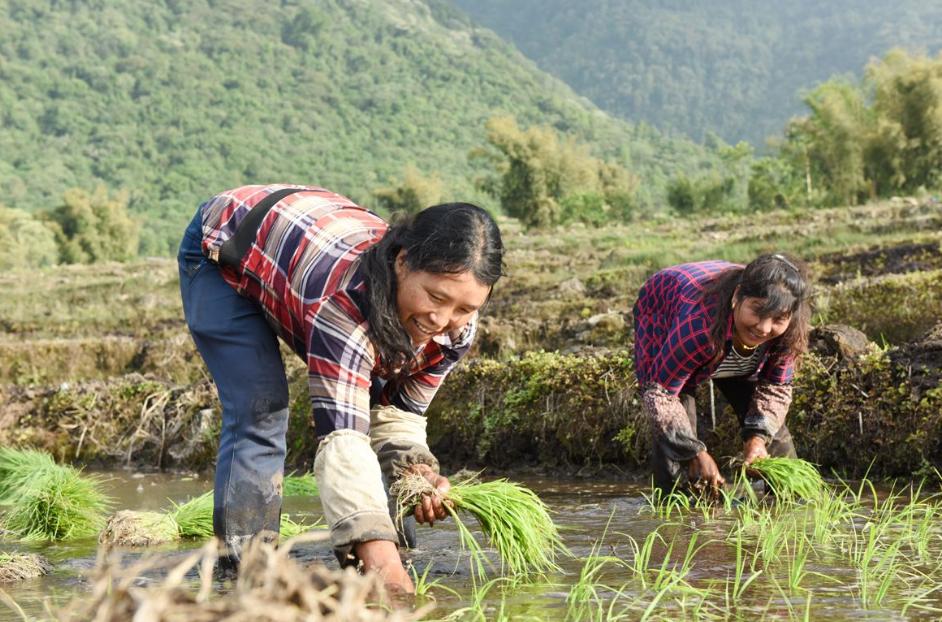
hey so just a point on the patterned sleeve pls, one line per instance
(686, 348)
(779, 368)
(767, 410)
(435, 362)
(340, 362)
(772, 397)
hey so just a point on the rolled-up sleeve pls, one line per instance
(771, 398)
(670, 424)
(767, 410)
(398, 435)
(340, 363)
(684, 349)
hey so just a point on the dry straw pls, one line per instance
(271, 587)
(22, 566)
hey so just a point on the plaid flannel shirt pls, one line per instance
(303, 270)
(674, 352)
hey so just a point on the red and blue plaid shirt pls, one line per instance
(672, 318)
(303, 270)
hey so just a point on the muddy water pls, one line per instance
(586, 512)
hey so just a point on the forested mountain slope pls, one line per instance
(173, 100)
(735, 67)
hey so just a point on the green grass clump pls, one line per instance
(57, 504)
(18, 467)
(515, 520)
(299, 485)
(194, 519)
(790, 478)
(48, 501)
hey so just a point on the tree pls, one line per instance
(534, 172)
(832, 140)
(94, 227)
(905, 151)
(414, 193)
(25, 242)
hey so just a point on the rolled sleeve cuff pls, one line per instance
(399, 439)
(351, 492)
(766, 414)
(670, 424)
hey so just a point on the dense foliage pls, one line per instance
(544, 180)
(879, 137)
(172, 101)
(735, 67)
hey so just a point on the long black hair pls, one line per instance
(783, 284)
(443, 239)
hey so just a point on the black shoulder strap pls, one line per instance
(234, 249)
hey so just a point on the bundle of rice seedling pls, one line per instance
(194, 519)
(54, 502)
(130, 528)
(515, 520)
(299, 485)
(790, 478)
(21, 566)
(18, 467)
(272, 587)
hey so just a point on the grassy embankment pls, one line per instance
(96, 365)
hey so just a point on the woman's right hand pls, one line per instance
(382, 557)
(703, 472)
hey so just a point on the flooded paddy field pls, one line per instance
(859, 553)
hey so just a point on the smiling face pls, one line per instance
(750, 328)
(431, 304)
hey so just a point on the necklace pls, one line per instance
(738, 342)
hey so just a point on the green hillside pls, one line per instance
(734, 67)
(173, 100)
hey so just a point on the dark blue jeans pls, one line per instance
(241, 352)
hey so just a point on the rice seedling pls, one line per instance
(586, 594)
(740, 585)
(299, 485)
(790, 478)
(515, 520)
(55, 503)
(664, 506)
(423, 587)
(21, 566)
(18, 467)
(798, 554)
(477, 611)
(194, 519)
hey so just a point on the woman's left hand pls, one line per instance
(753, 449)
(432, 507)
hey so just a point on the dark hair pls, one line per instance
(782, 282)
(443, 239)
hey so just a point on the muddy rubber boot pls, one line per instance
(230, 555)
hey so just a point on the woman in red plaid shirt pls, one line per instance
(379, 314)
(741, 328)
